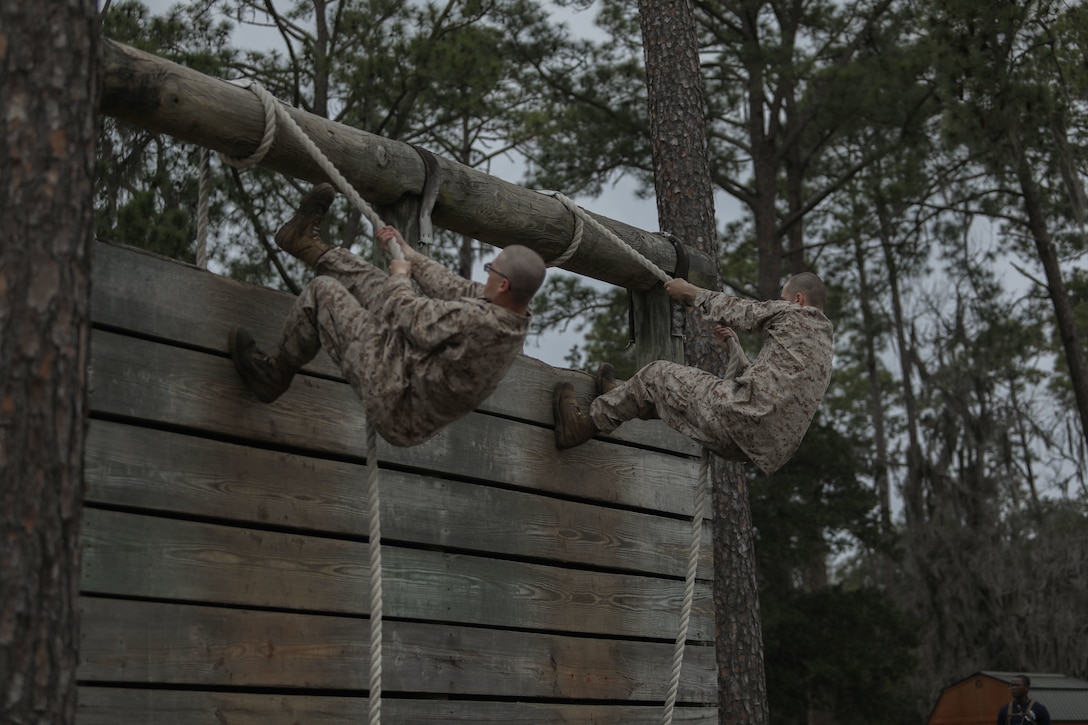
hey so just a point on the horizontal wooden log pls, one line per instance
(197, 646)
(163, 97)
(110, 706)
(141, 556)
(163, 471)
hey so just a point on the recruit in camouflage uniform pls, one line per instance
(760, 415)
(417, 361)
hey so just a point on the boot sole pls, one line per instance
(316, 203)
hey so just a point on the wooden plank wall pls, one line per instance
(225, 569)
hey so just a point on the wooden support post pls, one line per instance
(655, 338)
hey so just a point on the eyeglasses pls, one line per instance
(489, 268)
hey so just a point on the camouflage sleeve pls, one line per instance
(427, 322)
(436, 281)
(734, 312)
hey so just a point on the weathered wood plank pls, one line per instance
(150, 557)
(163, 97)
(110, 706)
(148, 469)
(150, 642)
(492, 619)
(158, 297)
(138, 379)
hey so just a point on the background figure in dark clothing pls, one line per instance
(1022, 710)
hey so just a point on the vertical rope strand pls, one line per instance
(375, 575)
(202, 210)
(689, 585)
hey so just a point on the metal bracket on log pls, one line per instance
(657, 320)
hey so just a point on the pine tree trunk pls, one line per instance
(685, 203)
(47, 140)
(1059, 296)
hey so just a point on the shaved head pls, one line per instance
(524, 268)
(808, 284)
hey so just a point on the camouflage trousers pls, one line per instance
(338, 311)
(682, 397)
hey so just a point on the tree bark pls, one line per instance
(48, 144)
(1055, 287)
(877, 404)
(912, 482)
(685, 203)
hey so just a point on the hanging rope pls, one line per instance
(701, 493)
(689, 585)
(202, 211)
(276, 113)
(375, 520)
(582, 216)
(430, 194)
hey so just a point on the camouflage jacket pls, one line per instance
(452, 349)
(768, 407)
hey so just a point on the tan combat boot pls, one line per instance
(572, 427)
(266, 378)
(300, 236)
(606, 378)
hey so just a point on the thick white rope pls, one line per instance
(375, 520)
(701, 492)
(579, 228)
(202, 211)
(689, 585)
(626, 248)
(275, 112)
(270, 111)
